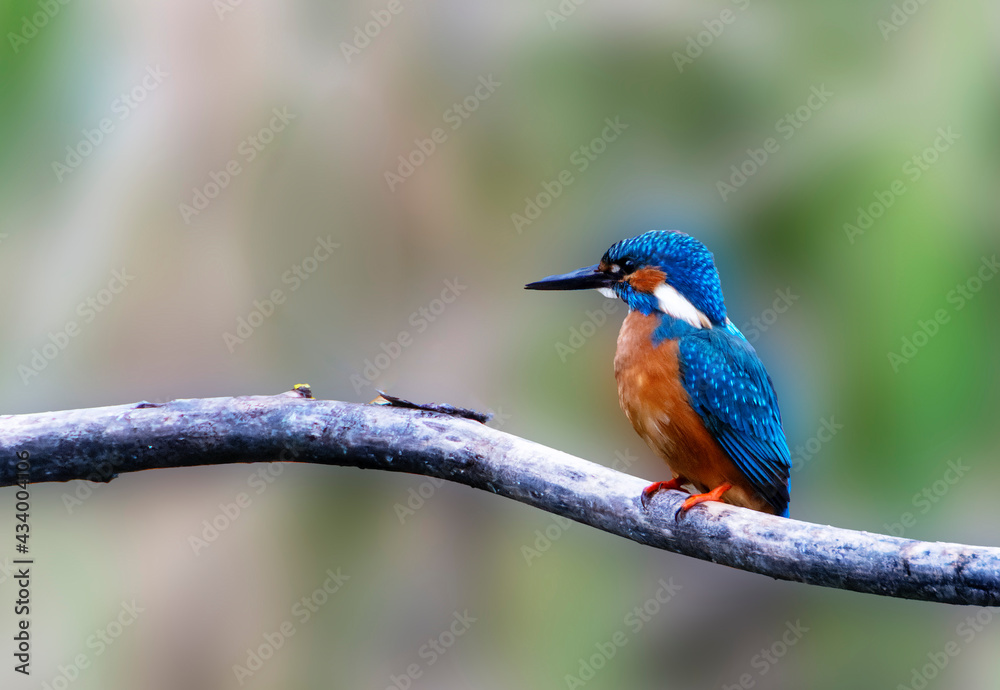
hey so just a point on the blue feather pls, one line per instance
(732, 393)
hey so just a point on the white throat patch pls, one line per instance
(608, 292)
(676, 305)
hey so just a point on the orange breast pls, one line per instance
(653, 398)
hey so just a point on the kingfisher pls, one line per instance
(690, 383)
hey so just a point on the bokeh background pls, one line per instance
(187, 95)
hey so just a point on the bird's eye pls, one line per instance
(628, 265)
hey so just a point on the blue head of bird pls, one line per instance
(659, 271)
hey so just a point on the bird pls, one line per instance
(689, 381)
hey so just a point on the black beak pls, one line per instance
(589, 278)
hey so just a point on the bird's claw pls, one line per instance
(647, 494)
(713, 495)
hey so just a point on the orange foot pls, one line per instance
(713, 495)
(647, 493)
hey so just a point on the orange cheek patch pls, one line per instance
(647, 279)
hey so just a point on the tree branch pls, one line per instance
(99, 443)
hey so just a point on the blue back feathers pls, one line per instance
(731, 391)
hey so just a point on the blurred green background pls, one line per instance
(856, 249)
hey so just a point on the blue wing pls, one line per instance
(732, 393)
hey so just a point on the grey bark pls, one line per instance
(99, 443)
